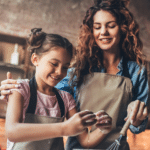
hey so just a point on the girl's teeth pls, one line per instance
(55, 78)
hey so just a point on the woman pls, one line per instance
(108, 70)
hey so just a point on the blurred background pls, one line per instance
(64, 17)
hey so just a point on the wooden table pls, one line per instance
(3, 139)
(139, 141)
(136, 142)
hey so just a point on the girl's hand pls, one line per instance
(7, 85)
(137, 112)
(79, 122)
(104, 122)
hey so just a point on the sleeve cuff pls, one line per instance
(140, 128)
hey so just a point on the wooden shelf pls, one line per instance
(12, 39)
(15, 67)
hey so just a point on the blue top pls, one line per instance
(139, 81)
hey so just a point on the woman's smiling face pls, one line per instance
(106, 30)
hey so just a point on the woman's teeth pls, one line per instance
(105, 40)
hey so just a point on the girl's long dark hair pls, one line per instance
(40, 42)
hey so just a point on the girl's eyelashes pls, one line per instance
(54, 64)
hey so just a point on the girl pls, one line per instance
(36, 111)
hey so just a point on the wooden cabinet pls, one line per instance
(23, 70)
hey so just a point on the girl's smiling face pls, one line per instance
(52, 66)
(106, 30)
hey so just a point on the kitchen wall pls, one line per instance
(64, 17)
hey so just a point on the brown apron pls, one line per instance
(47, 144)
(111, 93)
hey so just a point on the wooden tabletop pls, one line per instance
(136, 142)
(3, 139)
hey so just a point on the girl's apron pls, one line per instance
(111, 93)
(48, 144)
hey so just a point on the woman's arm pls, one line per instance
(95, 137)
(17, 131)
(10, 83)
(7, 85)
(137, 110)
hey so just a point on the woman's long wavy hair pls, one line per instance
(88, 55)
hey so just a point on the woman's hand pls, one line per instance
(79, 122)
(137, 112)
(7, 85)
(104, 122)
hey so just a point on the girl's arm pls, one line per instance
(17, 131)
(95, 137)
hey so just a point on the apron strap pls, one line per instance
(33, 98)
(125, 69)
(60, 102)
